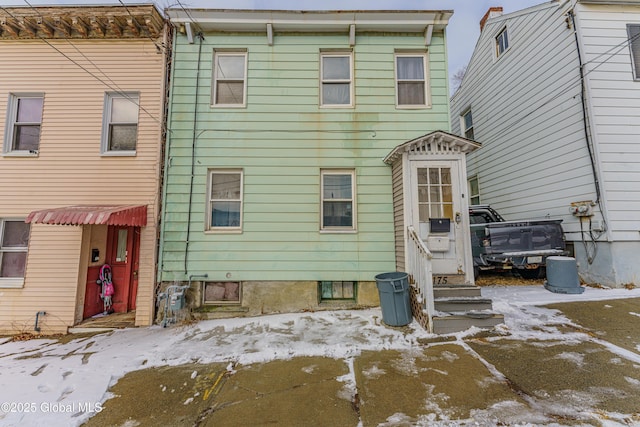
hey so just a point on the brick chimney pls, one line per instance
(491, 13)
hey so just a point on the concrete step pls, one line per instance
(456, 291)
(449, 324)
(462, 304)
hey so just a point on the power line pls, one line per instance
(159, 48)
(115, 89)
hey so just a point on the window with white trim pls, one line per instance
(338, 211)
(502, 42)
(229, 79)
(120, 123)
(225, 200)
(474, 191)
(14, 242)
(411, 79)
(466, 123)
(24, 120)
(633, 32)
(336, 79)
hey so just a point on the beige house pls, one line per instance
(82, 99)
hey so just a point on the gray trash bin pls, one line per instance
(393, 289)
(562, 275)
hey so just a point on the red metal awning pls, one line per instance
(129, 215)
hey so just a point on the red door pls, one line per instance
(92, 301)
(122, 254)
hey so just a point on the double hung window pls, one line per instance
(502, 42)
(411, 80)
(467, 124)
(336, 79)
(120, 123)
(229, 79)
(14, 242)
(24, 119)
(225, 200)
(338, 200)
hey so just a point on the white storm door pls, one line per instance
(436, 214)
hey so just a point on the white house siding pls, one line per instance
(528, 115)
(69, 169)
(615, 106)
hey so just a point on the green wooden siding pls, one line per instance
(281, 141)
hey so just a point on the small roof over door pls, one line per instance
(128, 215)
(437, 142)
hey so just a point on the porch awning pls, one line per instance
(437, 142)
(129, 215)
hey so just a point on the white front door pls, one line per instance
(437, 216)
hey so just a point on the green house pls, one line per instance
(277, 196)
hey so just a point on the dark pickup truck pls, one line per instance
(506, 245)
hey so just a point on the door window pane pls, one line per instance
(436, 183)
(121, 248)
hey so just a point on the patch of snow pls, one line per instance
(42, 371)
(576, 358)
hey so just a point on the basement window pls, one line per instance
(222, 292)
(337, 291)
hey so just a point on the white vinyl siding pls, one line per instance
(229, 79)
(336, 81)
(518, 137)
(615, 105)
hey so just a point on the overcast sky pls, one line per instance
(462, 32)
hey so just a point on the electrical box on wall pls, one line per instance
(584, 208)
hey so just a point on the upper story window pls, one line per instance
(229, 79)
(466, 123)
(633, 31)
(502, 42)
(336, 79)
(338, 200)
(225, 200)
(24, 118)
(120, 123)
(411, 80)
(14, 242)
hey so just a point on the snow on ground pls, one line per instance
(43, 382)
